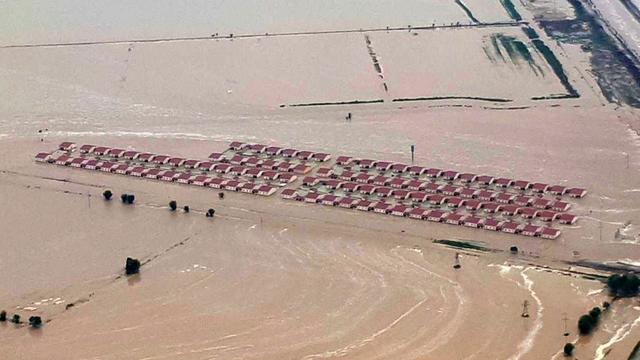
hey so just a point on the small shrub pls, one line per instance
(568, 349)
(221, 195)
(173, 205)
(130, 199)
(3, 316)
(35, 321)
(606, 305)
(15, 319)
(123, 197)
(186, 208)
(107, 195)
(132, 266)
(586, 323)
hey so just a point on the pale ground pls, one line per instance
(271, 279)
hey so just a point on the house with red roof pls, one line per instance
(347, 202)
(576, 192)
(473, 204)
(398, 183)
(365, 205)
(347, 176)
(332, 184)
(232, 185)
(238, 160)
(547, 215)
(417, 170)
(418, 213)
(485, 179)
(67, 146)
(237, 145)
(557, 189)
(527, 212)
(436, 199)
(122, 169)
(238, 170)
(433, 172)
(63, 160)
(300, 169)
(473, 221)
(431, 187)
(382, 165)
(191, 164)
(160, 159)
(400, 210)
(454, 219)
(253, 162)
(523, 200)
(549, 233)
(324, 172)
(567, 219)
(269, 164)
(116, 152)
(380, 180)
(349, 186)
(560, 206)
(131, 155)
(366, 163)
(366, 189)
(287, 177)
(270, 175)
(184, 178)
(254, 172)
(491, 207)
(415, 185)
(436, 215)
(138, 171)
(304, 155)
(363, 178)
(101, 150)
(505, 198)
(201, 180)
(43, 157)
(206, 165)
(468, 177)
(521, 184)
(330, 200)
(86, 149)
(312, 198)
(265, 190)
(418, 196)
(400, 194)
(383, 191)
(222, 168)
(168, 175)
(531, 230)
(541, 203)
(257, 148)
(288, 194)
(217, 183)
(146, 157)
(176, 161)
(450, 190)
(216, 156)
(510, 227)
(539, 187)
(485, 195)
(273, 150)
(382, 207)
(450, 174)
(249, 188)
(503, 182)
(152, 173)
(289, 153)
(492, 224)
(468, 193)
(310, 181)
(455, 202)
(344, 160)
(509, 210)
(399, 168)
(78, 162)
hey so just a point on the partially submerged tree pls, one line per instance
(107, 194)
(210, 213)
(35, 321)
(173, 205)
(625, 285)
(221, 195)
(186, 208)
(132, 266)
(568, 349)
(513, 249)
(586, 323)
(130, 199)
(15, 319)
(3, 316)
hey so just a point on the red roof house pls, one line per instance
(510, 227)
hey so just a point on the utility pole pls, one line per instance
(413, 151)
(565, 319)
(456, 264)
(525, 309)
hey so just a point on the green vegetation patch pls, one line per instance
(511, 10)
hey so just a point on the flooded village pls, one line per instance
(314, 180)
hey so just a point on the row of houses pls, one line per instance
(279, 151)
(165, 175)
(435, 215)
(422, 191)
(452, 175)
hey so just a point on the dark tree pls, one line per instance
(124, 198)
(514, 249)
(586, 324)
(131, 199)
(107, 194)
(15, 319)
(221, 195)
(625, 285)
(606, 305)
(568, 349)
(35, 321)
(186, 208)
(595, 313)
(132, 266)
(210, 212)
(3, 316)
(173, 205)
